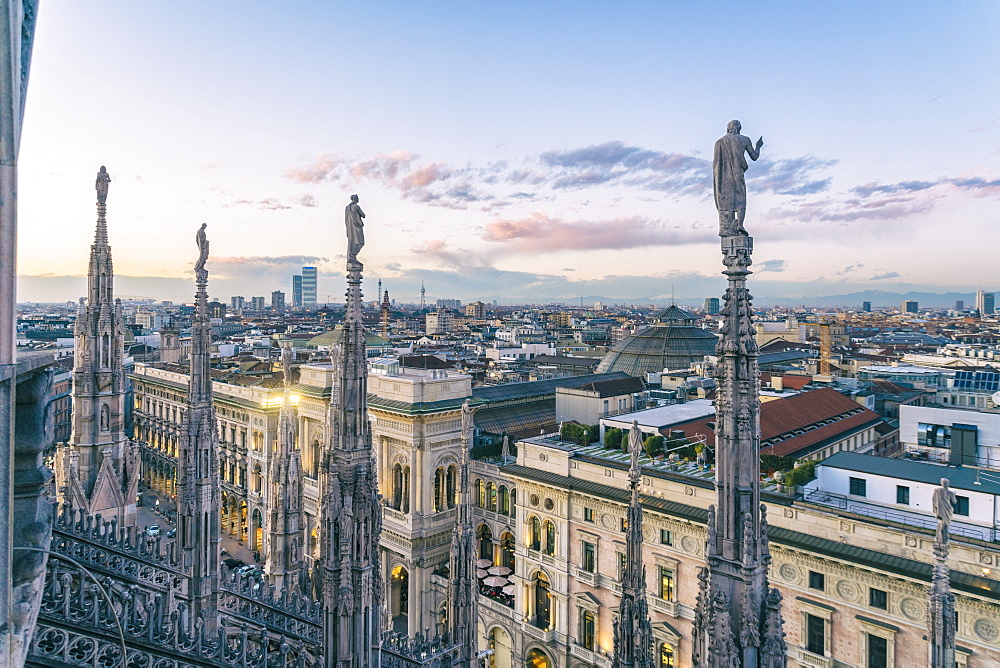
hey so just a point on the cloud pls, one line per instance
(789, 177)
(271, 204)
(857, 266)
(321, 168)
(273, 267)
(882, 277)
(773, 266)
(541, 233)
(306, 200)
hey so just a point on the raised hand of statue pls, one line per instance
(760, 142)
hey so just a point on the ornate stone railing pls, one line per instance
(84, 622)
(281, 611)
(399, 651)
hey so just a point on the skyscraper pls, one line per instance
(866, 307)
(297, 291)
(309, 283)
(985, 302)
(909, 306)
(712, 305)
(278, 301)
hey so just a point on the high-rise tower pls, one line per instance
(310, 287)
(198, 494)
(633, 631)
(284, 494)
(348, 571)
(99, 470)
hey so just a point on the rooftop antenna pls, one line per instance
(673, 302)
(422, 294)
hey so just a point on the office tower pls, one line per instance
(959, 305)
(256, 303)
(297, 291)
(712, 305)
(278, 301)
(309, 283)
(866, 307)
(985, 302)
(909, 306)
(237, 304)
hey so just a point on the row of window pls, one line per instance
(495, 498)
(877, 598)
(665, 589)
(876, 647)
(859, 487)
(587, 632)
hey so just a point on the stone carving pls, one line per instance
(788, 573)
(689, 545)
(987, 630)
(847, 590)
(103, 179)
(943, 503)
(202, 240)
(728, 169)
(911, 608)
(353, 220)
(287, 355)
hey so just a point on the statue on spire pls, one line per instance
(202, 240)
(353, 216)
(728, 170)
(103, 179)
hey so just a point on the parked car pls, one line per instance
(153, 530)
(171, 533)
(249, 571)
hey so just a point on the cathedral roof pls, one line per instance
(336, 335)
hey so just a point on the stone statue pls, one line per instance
(467, 414)
(202, 239)
(103, 179)
(728, 169)
(355, 229)
(287, 355)
(943, 503)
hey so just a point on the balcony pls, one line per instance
(810, 660)
(671, 608)
(537, 633)
(593, 579)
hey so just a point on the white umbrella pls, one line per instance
(499, 570)
(509, 590)
(480, 573)
(484, 563)
(495, 581)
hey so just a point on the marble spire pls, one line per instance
(99, 470)
(463, 594)
(633, 636)
(941, 627)
(348, 573)
(738, 615)
(198, 493)
(284, 543)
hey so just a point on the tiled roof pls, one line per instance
(804, 413)
(790, 381)
(539, 388)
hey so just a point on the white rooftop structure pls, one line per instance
(651, 419)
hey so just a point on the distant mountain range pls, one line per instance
(878, 298)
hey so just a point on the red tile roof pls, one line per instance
(781, 418)
(791, 381)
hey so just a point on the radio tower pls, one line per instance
(423, 293)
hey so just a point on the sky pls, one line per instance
(517, 151)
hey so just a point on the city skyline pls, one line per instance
(508, 154)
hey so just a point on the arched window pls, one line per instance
(485, 542)
(491, 497)
(536, 658)
(397, 485)
(314, 459)
(513, 502)
(258, 479)
(314, 542)
(503, 500)
(534, 533)
(439, 485)
(257, 536)
(587, 630)
(480, 492)
(543, 602)
(550, 537)
(405, 507)
(507, 550)
(452, 488)
(666, 656)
